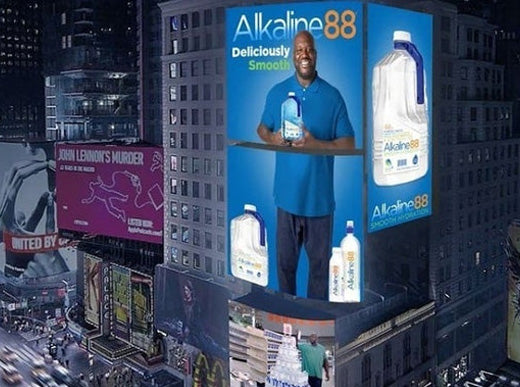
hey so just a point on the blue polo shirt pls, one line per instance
(304, 184)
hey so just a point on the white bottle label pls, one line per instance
(400, 150)
(335, 285)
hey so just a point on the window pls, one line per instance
(196, 261)
(207, 166)
(207, 241)
(220, 243)
(473, 114)
(175, 46)
(366, 372)
(195, 92)
(196, 213)
(173, 186)
(195, 189)
(194, 117)
(184, 187)
(184, 22)
(219, 91)
(219, 117)
(208, 215)
(220, 192)
(207, 191)
(184, 93)
(206, 116)
(220, 15)
(173, 208)
(206, 67)
(173, 116)
(185, 257)
(206, 92)
(195, 19)
(184, 116)
(173, 163)
(195, 141)
(207, 17)
(220, 167)
(174, 23)
(196, 237)
(174, 254)
(173, 140)
(207, 141)
(184, 140)
(183, 69)
(185, 234)
(173, 93)
(173, 70)
(220, 218)
(63, 18)
(221, 268)
(195, 72)
(185, 211)
(173, 232)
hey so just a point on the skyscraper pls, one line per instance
(21, 80)
(91, 78)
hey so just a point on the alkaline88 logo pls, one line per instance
(333, 24)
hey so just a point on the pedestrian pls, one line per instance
(67, 363)
(63, 351)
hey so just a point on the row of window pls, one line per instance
(209, 165)
(186, 44)
(493, 75)
(195, 117)
(181, 92)
(196, 213)
(206, 137)
(186, 21)
(196, 188)
(473, 36)
(195, 237)
(180, 69)
(194, 260)
(482, 154)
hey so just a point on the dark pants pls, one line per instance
(314, 233)
(314, 381)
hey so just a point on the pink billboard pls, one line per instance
(110, 190)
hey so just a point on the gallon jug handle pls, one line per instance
(416, 55)
(262, 225)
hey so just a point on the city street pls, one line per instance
(32, 344)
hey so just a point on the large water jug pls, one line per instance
(400, 133)
(249, 259)
(291, 118)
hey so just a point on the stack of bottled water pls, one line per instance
(287, 372)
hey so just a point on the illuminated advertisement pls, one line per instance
(399, 116)
(111, 190)
(121, 302)
(257, 337)
(92, 286)
(30, 246)
(142, 310)
(193, 313)
(295, 160)
(513, 319)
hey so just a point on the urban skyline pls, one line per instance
(169, 82)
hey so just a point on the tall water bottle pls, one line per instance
(249, 259)
(291, 118)
(350, 250)
(400, 117)
(336, 288)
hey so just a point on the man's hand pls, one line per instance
(306, 141)
(271, 138)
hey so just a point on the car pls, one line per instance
(7, 355)
(63, 376)
(11, 376)
(45, 380)
(38, 367)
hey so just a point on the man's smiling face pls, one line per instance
(304, 57)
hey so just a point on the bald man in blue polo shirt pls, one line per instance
(303, 183)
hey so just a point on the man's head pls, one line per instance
(313, 339)
(304, 57)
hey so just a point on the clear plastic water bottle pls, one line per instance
(350, 249)
(400, 117)
(291, 118)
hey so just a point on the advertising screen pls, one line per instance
(30, 246)
(92, 286)
(142, 310)
(111, 190)
(295, 165)
(399, 116)
(121, 302)
(257, 338)
(194, 313)
(513, 318)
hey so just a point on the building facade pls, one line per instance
(21, 82)
(90, 72)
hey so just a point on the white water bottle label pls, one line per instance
(400, 150)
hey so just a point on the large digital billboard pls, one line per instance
(399, 116)
(92, 289)
(142, 310)
(121, 302)
(194, 313)
(300, 177)
(111, 190)
(277, 350)
(30, 246)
